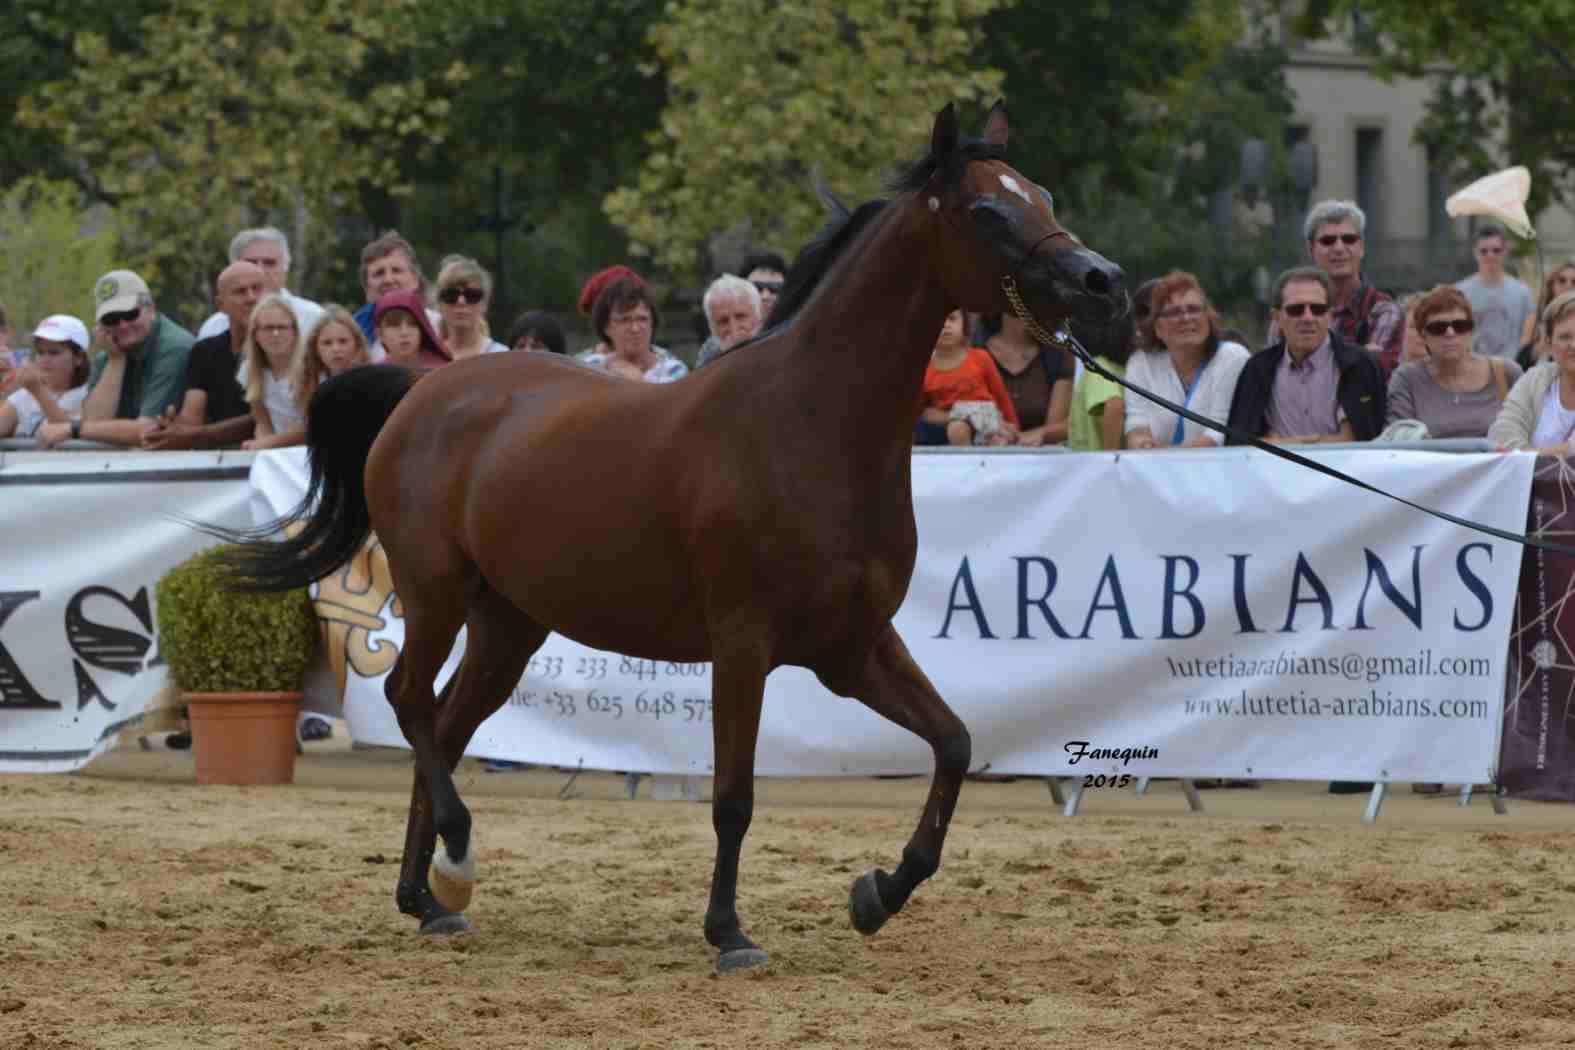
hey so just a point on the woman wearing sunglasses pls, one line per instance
(464, 291)
(1454, 390)
(1539, 412)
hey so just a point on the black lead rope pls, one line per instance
(1065, 338)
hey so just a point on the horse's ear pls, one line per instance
(996, 127)
(943, 140)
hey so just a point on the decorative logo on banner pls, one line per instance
(91, 645)
(350, 603)
(1538, 756)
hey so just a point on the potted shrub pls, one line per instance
(238, 658)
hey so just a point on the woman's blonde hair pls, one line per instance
(256, 361)
(309, 370)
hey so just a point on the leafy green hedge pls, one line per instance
(217, 640)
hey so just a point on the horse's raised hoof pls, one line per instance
(740, 959)
(452, 884)
(447, 925)
(864, 905)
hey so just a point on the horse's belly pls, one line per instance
(618, 604)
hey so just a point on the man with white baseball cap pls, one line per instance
(51, 387)
(139, 372)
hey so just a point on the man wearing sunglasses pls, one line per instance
(766, 271)
(1504, 308)
(1312, 386)
(140, 370)
(1361, 314)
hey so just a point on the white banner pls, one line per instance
(1182, 613)
(86, 537)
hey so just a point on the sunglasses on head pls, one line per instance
(1297, 309)
(1460, 325)
(454, 295)
(120, 317)
(1328, 239)
(774, 287)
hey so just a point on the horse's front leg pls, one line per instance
(893, 686)
(737, 688)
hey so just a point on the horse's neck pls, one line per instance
(865, 338)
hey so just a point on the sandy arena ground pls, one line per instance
(147, 912)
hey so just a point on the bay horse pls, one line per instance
(756, 513)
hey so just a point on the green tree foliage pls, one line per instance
(214, 119)
(1510, 84)
(55, 248)
(761, 95)
(562, 99)
(35, 48)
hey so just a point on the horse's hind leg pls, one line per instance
(499, 641)
(894, 687)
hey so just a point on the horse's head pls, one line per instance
(1003, 239)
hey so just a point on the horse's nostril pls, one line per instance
(1097, 282)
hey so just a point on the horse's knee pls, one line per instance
(954, 752)
(731, 816)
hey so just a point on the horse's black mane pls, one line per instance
(814, 261)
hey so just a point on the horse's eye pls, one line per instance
(1049, 200)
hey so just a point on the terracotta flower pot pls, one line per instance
(243, 738)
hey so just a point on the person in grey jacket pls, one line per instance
(1539, 412)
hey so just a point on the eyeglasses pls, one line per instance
(1170, 313)
(1328, 239)
(274, 329)
(630, 320)
(774, 287)
(120, 317)
(1460, 325)
(454, 295)
(1297, 309)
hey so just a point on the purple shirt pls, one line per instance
(1305, 399)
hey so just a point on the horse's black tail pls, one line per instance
(331, 522)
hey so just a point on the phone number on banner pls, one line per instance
(619, 693)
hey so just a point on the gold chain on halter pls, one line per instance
(1035, 329)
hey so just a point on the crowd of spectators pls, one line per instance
(1343, 361)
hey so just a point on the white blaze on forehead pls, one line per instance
(1012, 186)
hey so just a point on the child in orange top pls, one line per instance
(963, 396)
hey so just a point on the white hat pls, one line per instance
(62, 328)
(116, 292)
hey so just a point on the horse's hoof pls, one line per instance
(452, 884)
(447, 925)
(864, 905)
(740, 959)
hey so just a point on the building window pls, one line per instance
(1440, 229)
(1369, 176)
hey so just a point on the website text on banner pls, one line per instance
(1213, 613)
(87, 537)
